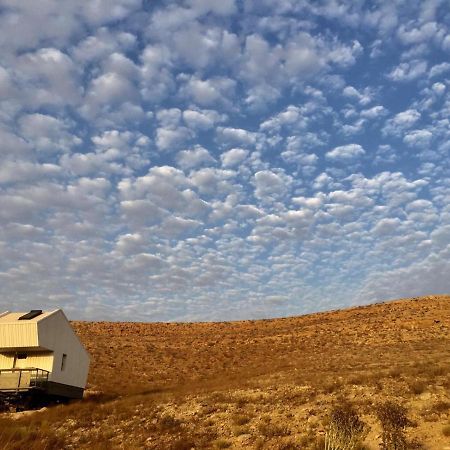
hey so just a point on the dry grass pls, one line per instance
(268, 384)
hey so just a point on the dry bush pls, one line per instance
(222, 443)
(417, 387)
(346, 429)
(271, 430)
(169, 423)
(239, 431)
(240, 419)
(392, 417)
(440, 407)
(17, 436)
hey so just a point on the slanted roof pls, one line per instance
(13, 317)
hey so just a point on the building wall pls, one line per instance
(6, 360)
(56, 333)
(40, 360)
(18, 335)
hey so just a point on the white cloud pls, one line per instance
(168, 139)
(419, 138)
(387, 226)
(408, 71)
(209, 92)
(47, 133)
(270, 185)
(202, 119)
(352, 93)
(236, 135)
(344, 153)
(13, 171)
(188, 159)
(49, 77)
(233, 157)
(401, 121)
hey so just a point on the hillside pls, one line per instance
(254, 384)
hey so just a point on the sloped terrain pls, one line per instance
(254, 384)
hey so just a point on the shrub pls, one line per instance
(393, 422)
(240, 419)
(417, 387)
(270, 430)
(346, 429)
(17, 436)
(222, 443)
(169, 423)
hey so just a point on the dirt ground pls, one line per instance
(270, 384)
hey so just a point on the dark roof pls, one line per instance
(31, 315)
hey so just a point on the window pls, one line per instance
(22, 356)
(63, 361)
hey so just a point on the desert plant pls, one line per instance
(392, 417)
(346, 429)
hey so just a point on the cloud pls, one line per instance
(233, 157)
(408, 71)
(344, 153)
(270, 185)
(193, 160)
(187, 159)
(209, 92)
(47, 133)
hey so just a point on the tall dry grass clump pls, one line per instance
(346, 429)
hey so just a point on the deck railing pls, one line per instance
(16, 380)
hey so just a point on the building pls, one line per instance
(39, 351)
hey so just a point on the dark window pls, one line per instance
(22, 356)
(63, 361)
(31, 315)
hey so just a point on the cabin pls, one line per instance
(40, 352)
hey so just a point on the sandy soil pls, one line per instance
(259, 384)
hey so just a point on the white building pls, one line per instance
(40, 350)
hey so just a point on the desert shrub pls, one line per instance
(222, 443)
(392, 417)
(182, 443)
(239, 431)
(333, 386)
(169, 423)
(417, 387)
(346, 429)
(288, 446)
(17, 436)
(441, 407)
(240, 419)
(270, 430)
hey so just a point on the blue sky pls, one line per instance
(207, 160)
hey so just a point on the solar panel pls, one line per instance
(31, 315)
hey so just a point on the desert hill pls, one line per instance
(254, 384)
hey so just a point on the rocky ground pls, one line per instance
(271, 384)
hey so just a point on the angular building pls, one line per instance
(40, 352)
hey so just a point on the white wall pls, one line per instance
(56, 333)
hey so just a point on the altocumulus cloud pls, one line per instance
(220, 160)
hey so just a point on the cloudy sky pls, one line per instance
(215, 160)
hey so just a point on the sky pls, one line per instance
(222, 160)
